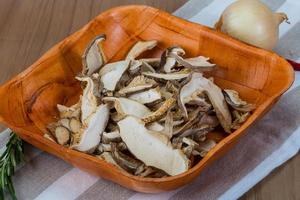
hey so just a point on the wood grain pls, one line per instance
(29, 27)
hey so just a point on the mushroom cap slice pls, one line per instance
(188, 90)
(93, 57)
(75, 125)
(199, 61)
(153, 148)
(138, 83)
(170, 76)
(111, 137)
(108, 158)
(168, 62)
(88, 100)
(147, 96)
(154, 62)
(168, 129)
(214, 94)
(233, 99)
(160, 111)
(139, 48)
(69, 112)
(146, 67)
(184, 63)
(239, 118)
(126, 162)
(65, 122)
(62, 135)
(155, 126)
(91, 136)
(134, 66)
(126, 107)
(111, 73)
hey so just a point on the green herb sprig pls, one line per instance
(10, 158)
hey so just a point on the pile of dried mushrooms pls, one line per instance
(148, 116)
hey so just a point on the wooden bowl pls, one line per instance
(28, 101)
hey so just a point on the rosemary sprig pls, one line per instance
(11, 157)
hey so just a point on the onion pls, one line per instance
(251, 21)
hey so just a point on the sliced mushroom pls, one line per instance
(147, 68)
(187, 92)
(197, 133)
(137, 84)
(199, 61)
(122, 146)
(192, 119)
(154, 62)
(168, 129)
(165, 93)
(206, 146)
(75, 125)
(152, 117)
(170, 76)
(93, 58)
(147, 96)
(171, 87)
(148, 171)
(159, 112)
(211, 121)
(201, 148)
(239, 118)
(188, 151)
(168, 62)
(91, 136)
(111, 137)
(140, 169)
(107, 147)
(155, 126)
(65, 123)
(62, 135)
(88, 100)
(233, 99)
(140, 65)
(68, 112)
(111, 73)
(108, 158)
(126, 162)
(151, 147)
(126, 107)
(139, 48)
(197, 64)
(97, 85)
(104, 147)
(134, 66)
(214, 94)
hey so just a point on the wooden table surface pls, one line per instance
(29, 27)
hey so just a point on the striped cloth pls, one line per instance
(268, 144)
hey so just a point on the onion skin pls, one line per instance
(252, 22)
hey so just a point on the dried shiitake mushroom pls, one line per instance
(151, 117)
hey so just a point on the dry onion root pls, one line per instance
(149, 120)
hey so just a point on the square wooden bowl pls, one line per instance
(28, 101)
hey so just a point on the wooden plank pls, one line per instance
(283, 183)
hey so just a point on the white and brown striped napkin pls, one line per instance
(268, 144)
